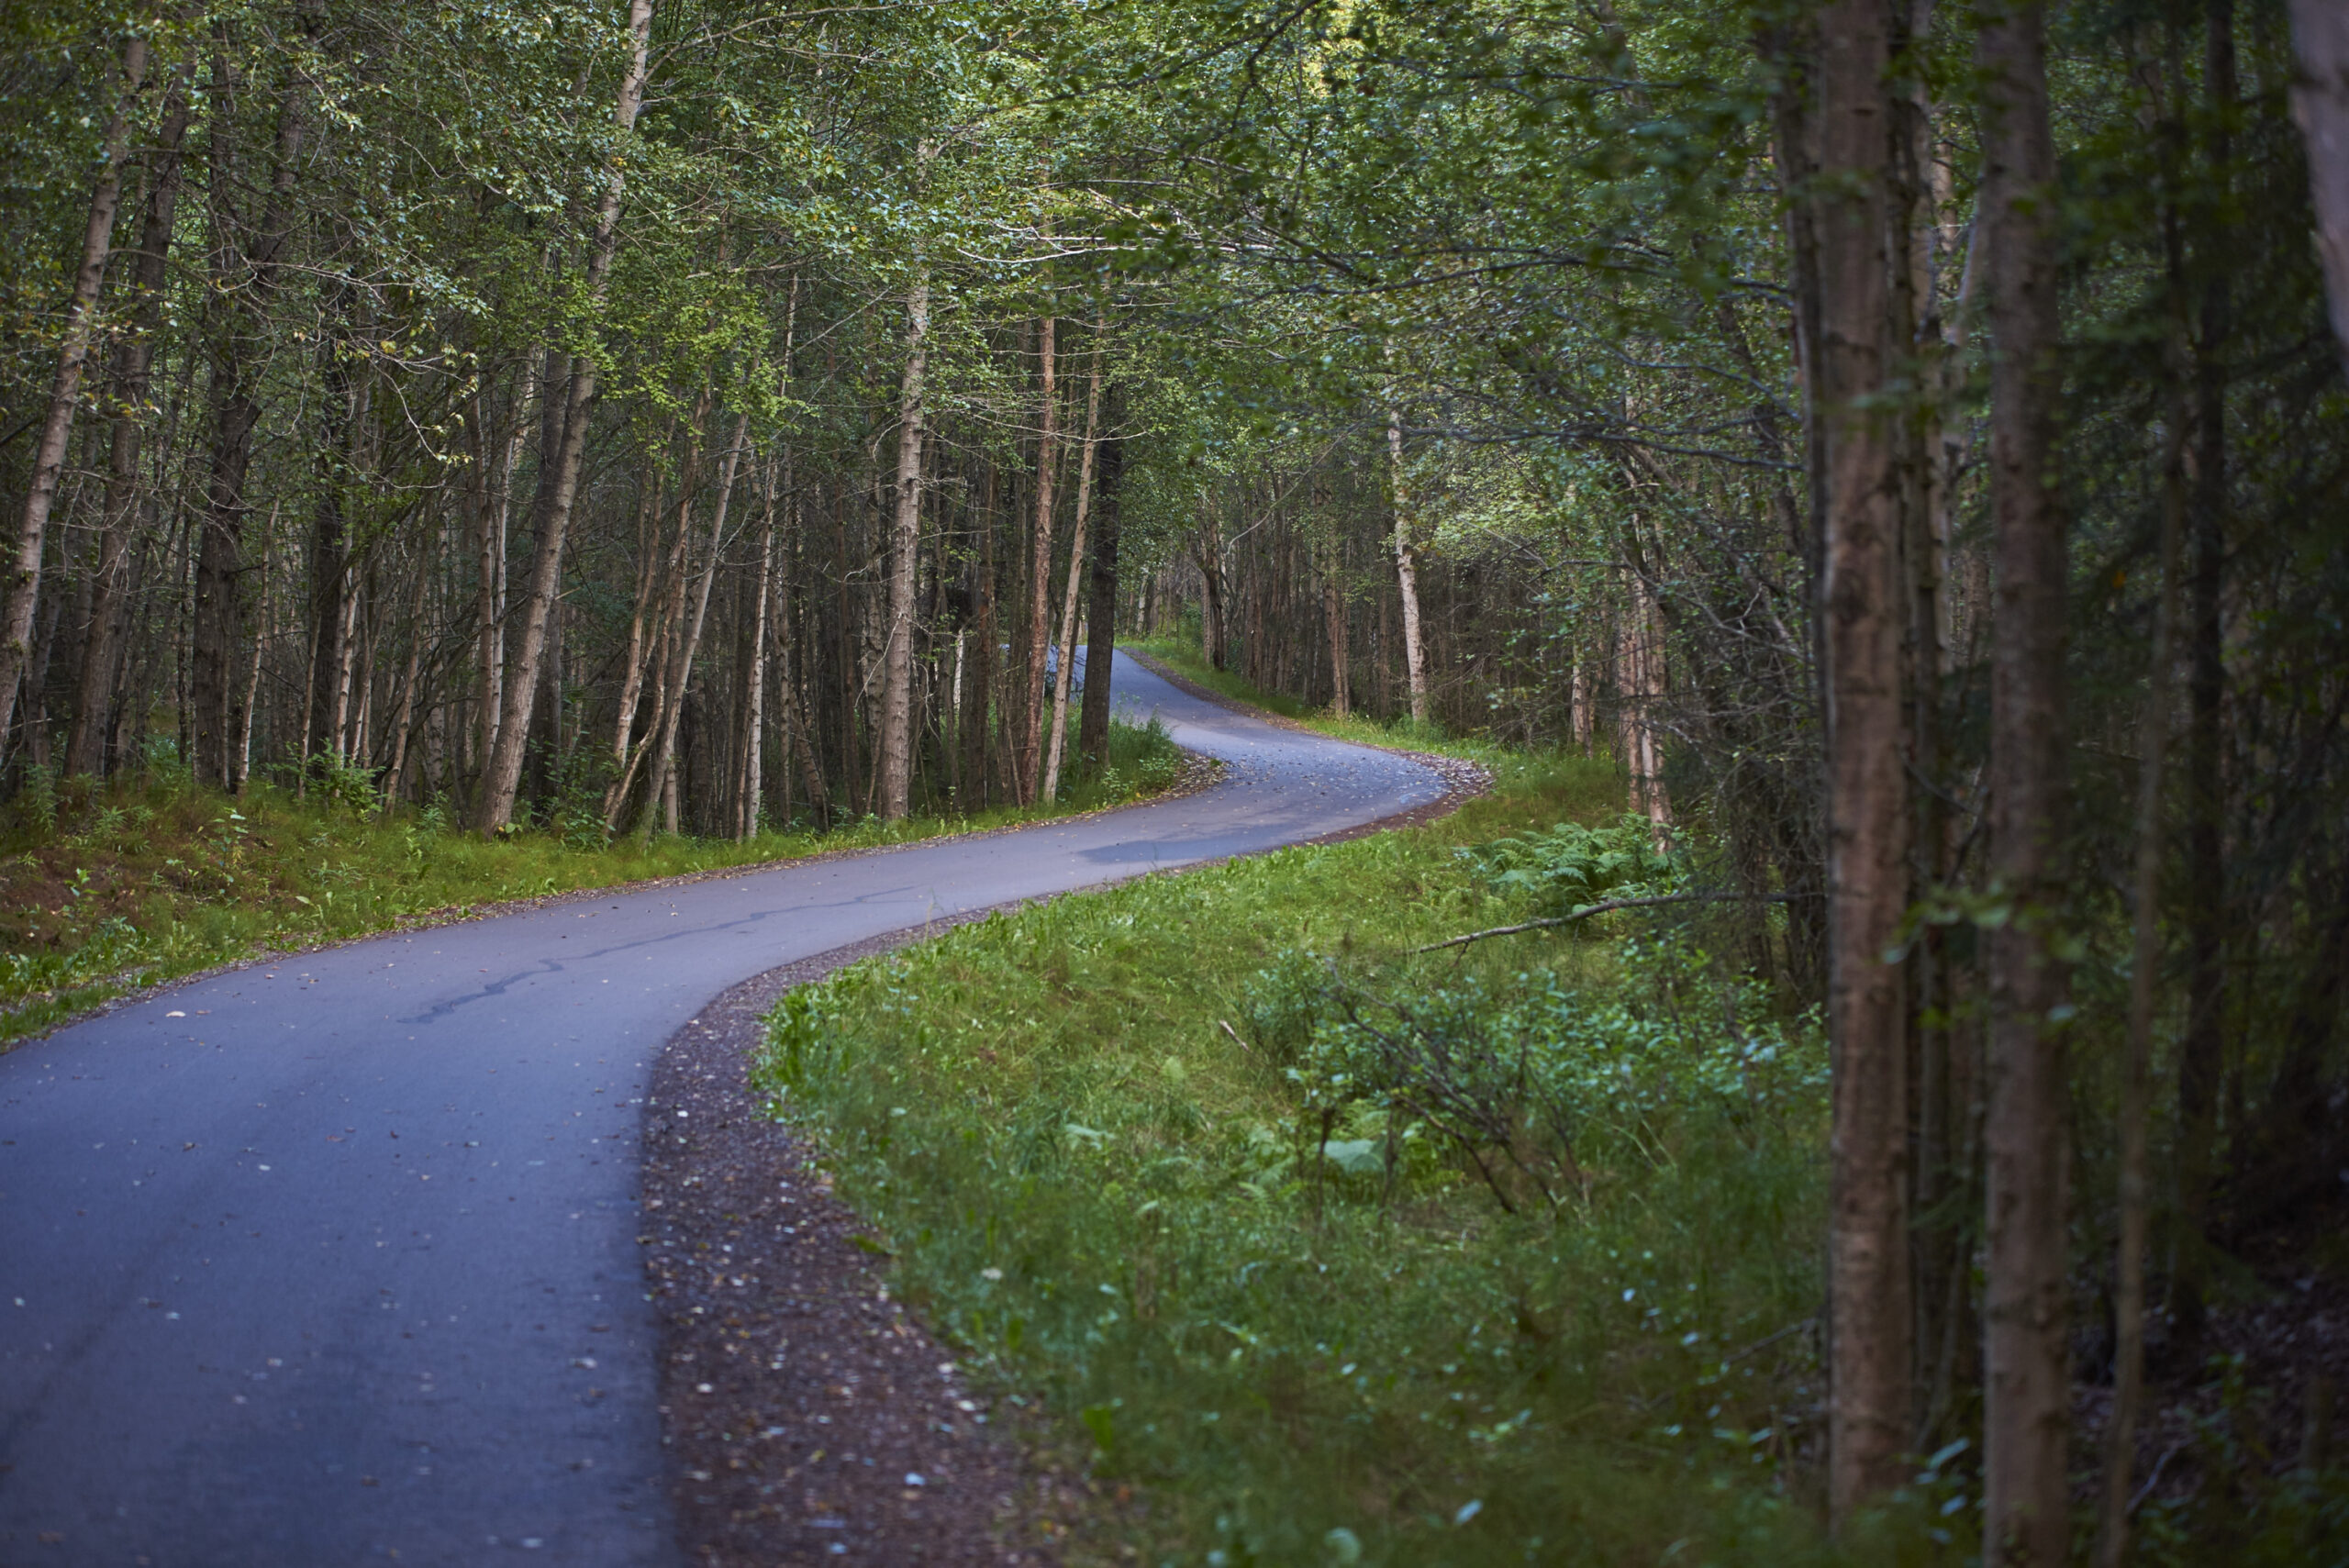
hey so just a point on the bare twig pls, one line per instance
(1614, 904)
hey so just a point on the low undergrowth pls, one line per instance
(1341, 1253)
(104, 889)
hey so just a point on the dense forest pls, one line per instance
(1911, 441)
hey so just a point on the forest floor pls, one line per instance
(106, 891)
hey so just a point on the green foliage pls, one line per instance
(1177, 1157)
(1538, 1086)
(343, 784)
(1572, 867)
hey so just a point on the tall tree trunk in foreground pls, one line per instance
(2026, 1417)
(65, 392)
(557, 494)
(1066, 654)
(1407, 571)
(905, 560)
(1867, 802)
(1029, 754)
(1101, 638)
(2321, 103)
(2145, 957)
(134, 360)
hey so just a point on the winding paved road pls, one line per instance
(334, 1261)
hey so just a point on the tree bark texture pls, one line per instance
(134, 360)
(1867, 806)
(1065, 653)
(65, 392)
(245, 281)
(558, 491)
(754, 679)
(1101, 640)
(1407, 571)
(686, 638)
(905, 559)
(2027, 1400)
(1029, 755)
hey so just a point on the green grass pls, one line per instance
(104, 890)
(1122, 1156)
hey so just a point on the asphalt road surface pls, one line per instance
(334, 1261)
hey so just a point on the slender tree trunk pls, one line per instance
(340, 408)
(1645, 693)
(346, 615)
(265, 615)
(2027, 1403)
(680, 675)
(754, 677)
(2145, 957)
(65, 392)
(648, 579)
(245, 283)
(1333, 618)
(557, 494)
(977, 726)
(1407, 570)
(668, 630)
(1030, 755)
(1101, 642)
(404, 725)
(2320, 103)
(1211, 583)
(493, 496)
(2202, 1051)
(1066, 654)
(905, 559)
(134, 360)
(1867, 811)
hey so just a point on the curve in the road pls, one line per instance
(334, 1261)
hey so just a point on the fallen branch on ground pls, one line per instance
(1614, 904)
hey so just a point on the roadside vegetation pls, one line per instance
(107, 888)
(1344, 1252)
(1321, 1238)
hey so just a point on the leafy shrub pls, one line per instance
(1571, 866)
(1538, 1089)
(576, 812)
(345, 782)
(36, 803)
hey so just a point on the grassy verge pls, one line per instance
(104, 890)
(1340, 1254)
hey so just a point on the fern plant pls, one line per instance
(1571, 866)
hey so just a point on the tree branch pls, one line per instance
(1614, 904)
